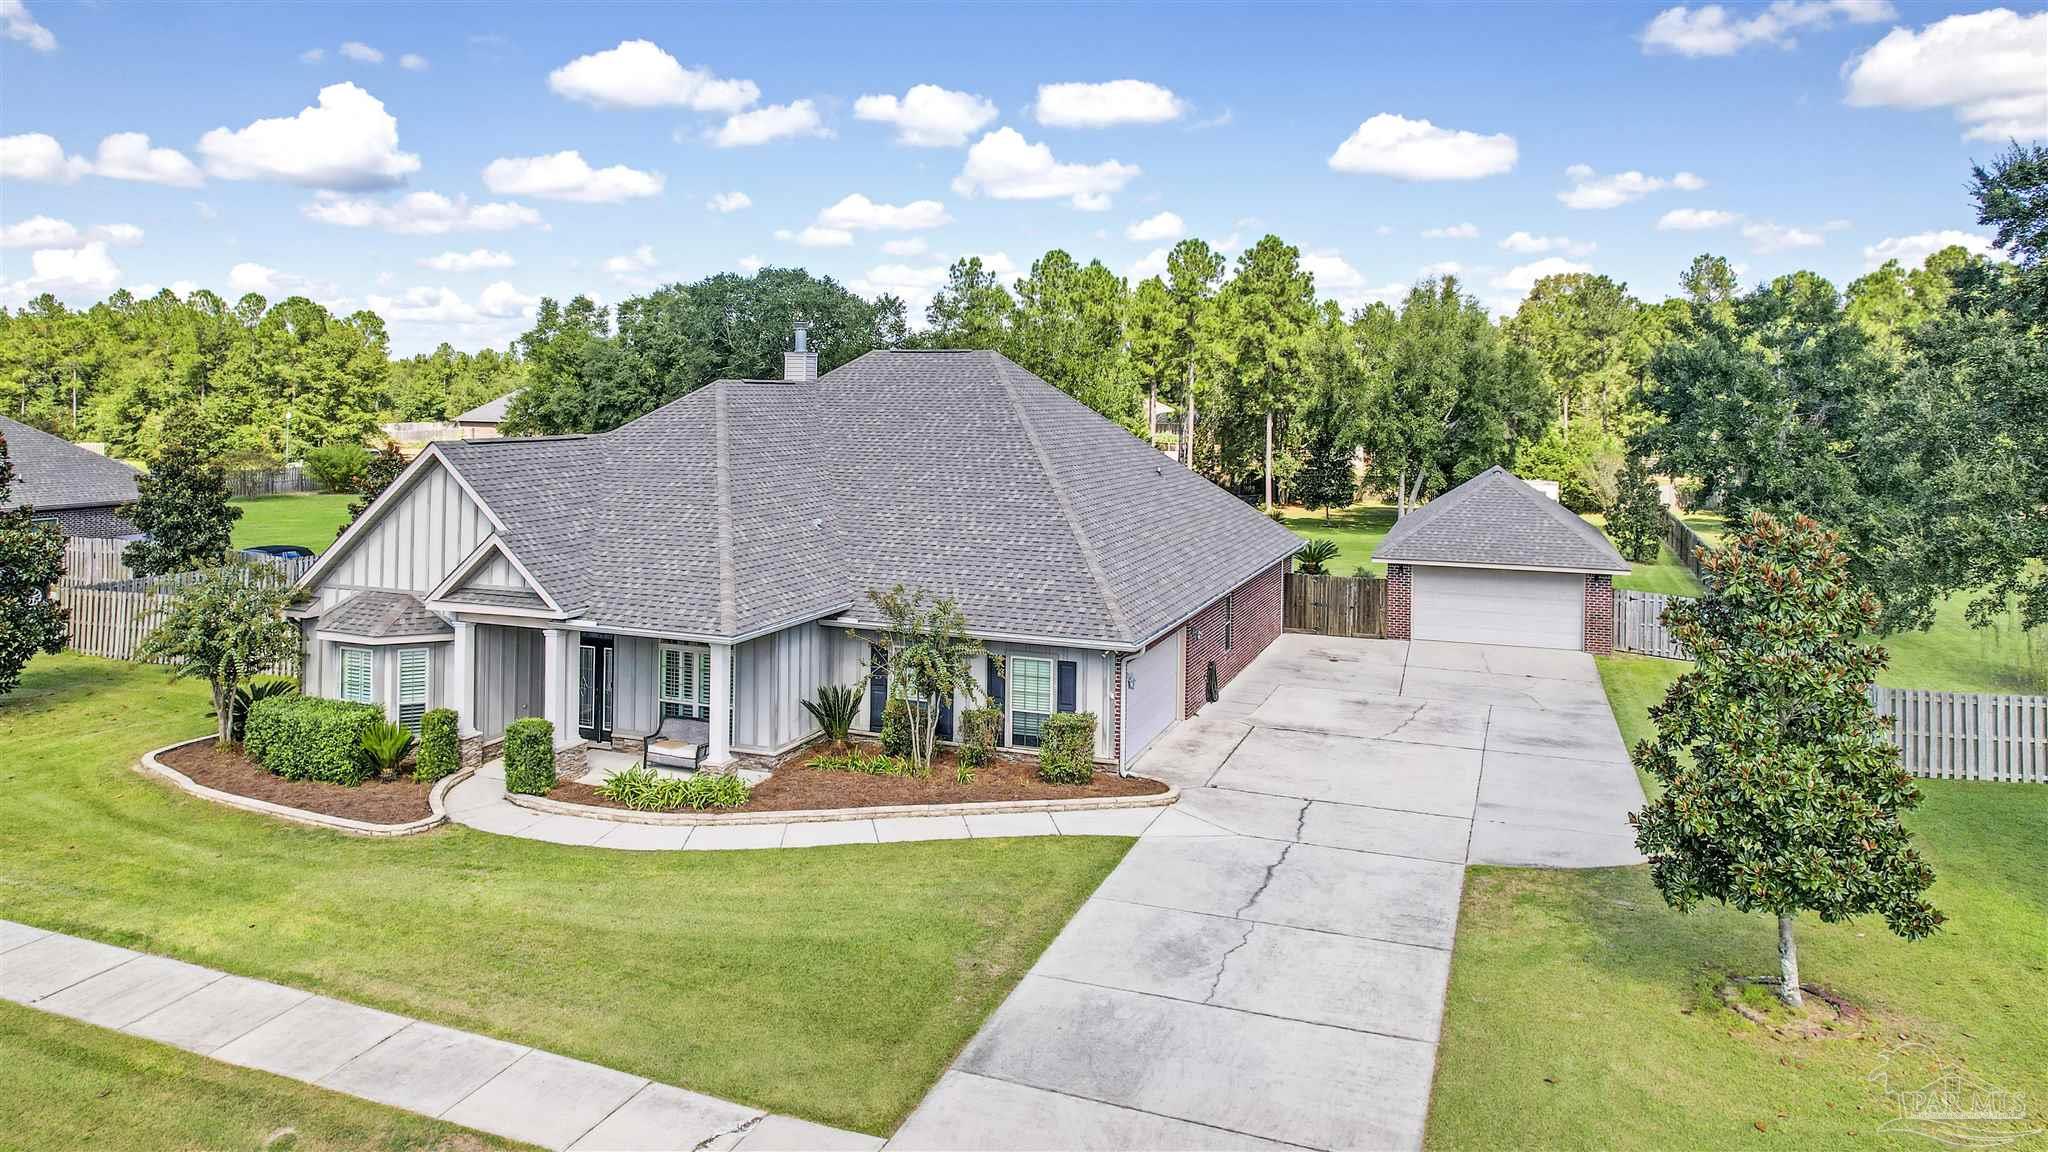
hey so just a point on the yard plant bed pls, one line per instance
(798, 787)
(374, 801)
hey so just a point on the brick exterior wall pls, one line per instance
(1599, 615)
(1256, 610)
(1400, 601)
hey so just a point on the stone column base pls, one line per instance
(572, 760)
(471, 751)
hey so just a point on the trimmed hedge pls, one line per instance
(979, 728)
(896, 727)
(311, 738)
(1066, 752)
(530, 756)
(440, 751)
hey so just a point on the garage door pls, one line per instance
(1492, 606)
(1152, 692)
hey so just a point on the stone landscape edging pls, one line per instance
(436, 799)
(822, 815)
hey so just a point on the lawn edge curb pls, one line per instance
(825, 815)
(436, 799)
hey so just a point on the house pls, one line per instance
(712, 560)
(1495, 561)
(78, 491)
(482, 421)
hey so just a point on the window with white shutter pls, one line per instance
(685, 676)
(1029, 687)
(412, 687)
(357, 676)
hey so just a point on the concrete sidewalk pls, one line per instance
(506, 1089)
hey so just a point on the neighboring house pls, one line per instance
(711, 561)
(1495, 561)
(481, 422)
(79, 491)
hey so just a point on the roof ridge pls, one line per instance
(1059, 492)
(728, 594)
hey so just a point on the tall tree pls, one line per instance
(1580, 328)
(1271, 304)
(31, 561)
(972, 310)
(1068, 329)
(1782, 793)
(182, 508)
(1329, 417)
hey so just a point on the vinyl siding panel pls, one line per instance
(509, 665)
(415, 542)
(1095, 681)
(773, 675)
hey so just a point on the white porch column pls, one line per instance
(555, 687)
(721, 705)
(461, 678)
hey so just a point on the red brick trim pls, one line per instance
(1400, 601)
(1599, 615)
(1256, 610)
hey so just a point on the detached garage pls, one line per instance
(1495, 561)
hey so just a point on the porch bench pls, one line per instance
(678, 743)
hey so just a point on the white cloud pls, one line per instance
(249, 277)
(1712, 30)
(1516, 282)
(1695, 219)
(639, 260)
(1913, 251)
(128, 156)
(413, 62)
(1441, 269)
(178, 288)
(119, 235)
(21, 26)
(1229, 244)
(1991, 67)
(1101, 105)
(729, 202)
(501, 299)
(1151, 264)
(912, 246)
(816, 237)
(1452, 232)
(751, 264)
(1592, 190)
(1768, 236)
(86, 270)
(768, 123)
(1390, 145)
(348, 142)
(39, 232)
(421, 214)
(425, 305)
(857, 213)
(312, 55)
(1527, 244)
(928, 116)
(1337, 280)
(916, 284)
(637, 74)
(361, 53)
(567, 176)
(37, 157)
(470, 261)
(1165, 226)
(1007, 167)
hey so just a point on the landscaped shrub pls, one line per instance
(385, 746)
(835, 709)
(896, 727)
(440, 746)
(646, 790)
(1066, 752)
(247, 695)
(310, 737)
(867, 763)
(979, 728)
(530, 756)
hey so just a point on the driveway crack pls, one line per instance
(1396, 730)
(1300, 821)
(1265, 881)
(1223, 964)
(737, 1129)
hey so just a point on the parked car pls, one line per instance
(279, 552)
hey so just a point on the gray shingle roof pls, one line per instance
(1496, 519)
(747, 505)
(496, 598)
(377, 615)
(51, 472)
(488, 412)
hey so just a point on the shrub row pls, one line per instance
(646, 790)
(310, 737)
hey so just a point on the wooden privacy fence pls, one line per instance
(111, 622)
(1639, 625)
(1335, 605)
(1685, 542)
(1967, 735)
(93, 561)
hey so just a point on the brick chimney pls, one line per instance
(801, 365)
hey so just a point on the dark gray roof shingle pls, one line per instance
(1496, 519)
(379, 615)
(488, 412)
(51, 472)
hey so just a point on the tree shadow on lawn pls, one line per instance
(53, 687)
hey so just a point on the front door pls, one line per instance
(594, 688)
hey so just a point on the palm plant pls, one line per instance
(835, 709)
(1311, 557)
(385, 745)
(248, 694)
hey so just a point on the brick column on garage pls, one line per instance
(1257, 608)
(1599, 615)
(1400, 601)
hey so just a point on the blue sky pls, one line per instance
(1384, 141)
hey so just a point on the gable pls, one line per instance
(417, 536)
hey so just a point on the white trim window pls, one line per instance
(684, 677)
(414, 668)
(1029, 687)
(358, 676)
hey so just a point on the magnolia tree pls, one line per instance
(931, 659)
(224, 627)
(1781, 792)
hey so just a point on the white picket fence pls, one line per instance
(111, 622)
(88, 560)
(1940, 735)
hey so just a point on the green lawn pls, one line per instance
(312, 519)
(1582, 1012)
(829, 983)
(1357, 530)
(64, 1084)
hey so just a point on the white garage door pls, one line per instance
(1493, 606)
(1152, 692)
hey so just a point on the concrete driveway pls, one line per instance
(1267, 965)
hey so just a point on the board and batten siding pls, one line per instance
(1094, 689)
(497, 572)
(509, 665)
(414, 544)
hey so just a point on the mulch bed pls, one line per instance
(797, 787)
(373, 801)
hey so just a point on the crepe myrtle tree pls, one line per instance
(930, 659)
(1782, 793)
(224, 627)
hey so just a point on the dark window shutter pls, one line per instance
(945, 726)
(878, 685)
(1069, 673)
(995, 693)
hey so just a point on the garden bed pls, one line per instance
(376, 804)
